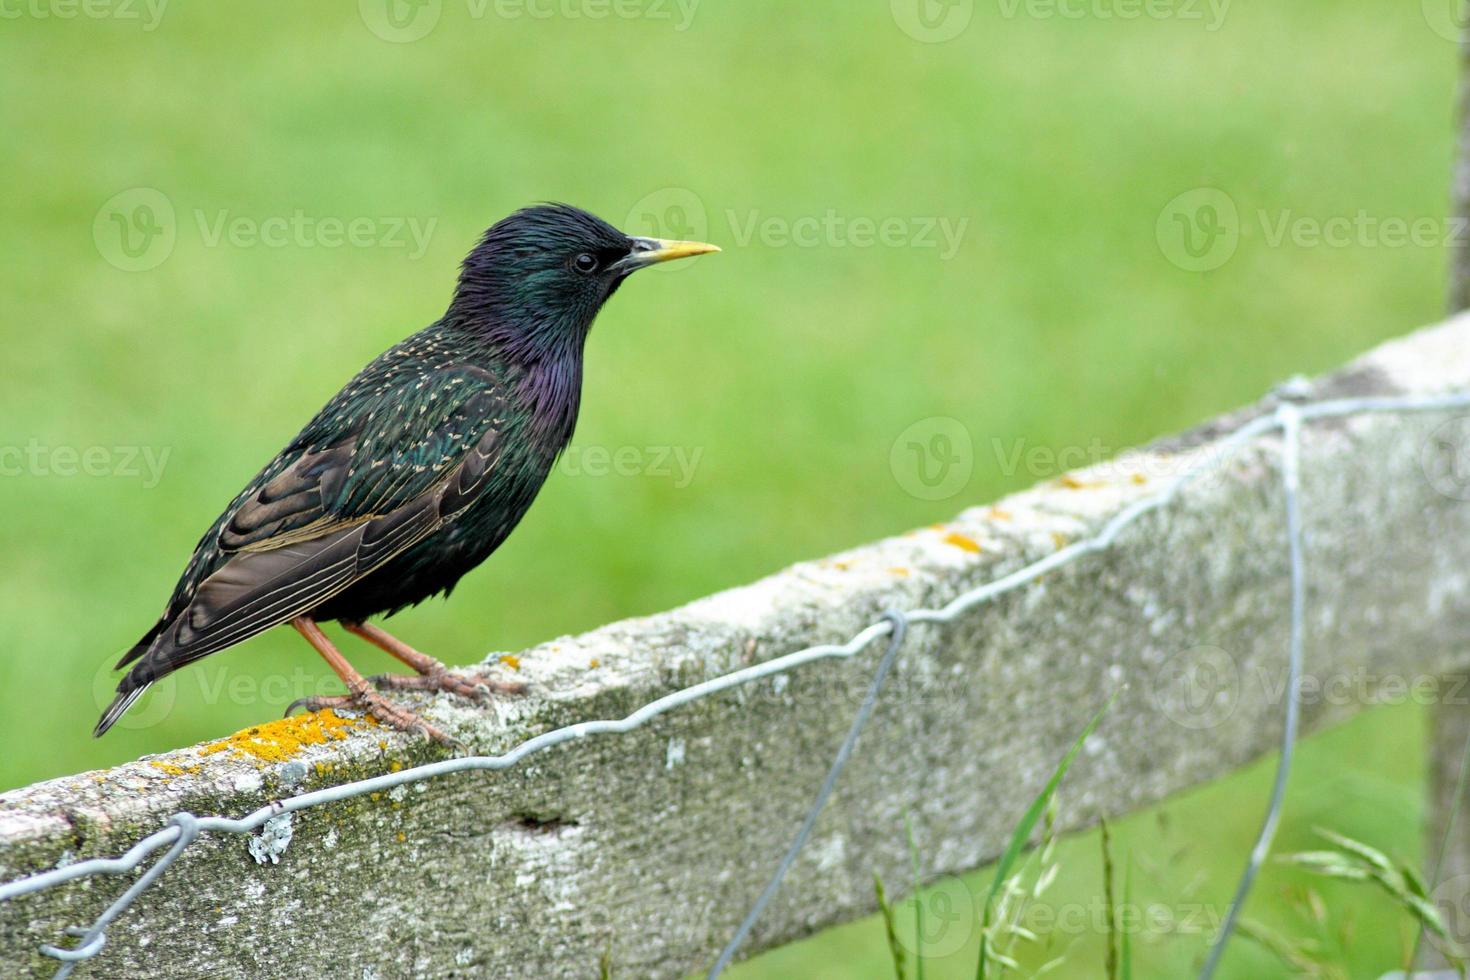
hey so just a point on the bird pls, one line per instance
(412, 474)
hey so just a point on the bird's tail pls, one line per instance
(142, 646)
(133, 684)
(124, 700)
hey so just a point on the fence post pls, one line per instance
(1447, 860)
(1459, 290)
(1447, 847)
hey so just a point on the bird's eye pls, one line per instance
(586, 262)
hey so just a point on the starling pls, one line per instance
(413, 473)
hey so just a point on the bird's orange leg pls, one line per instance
(431, 674)
(360, 694)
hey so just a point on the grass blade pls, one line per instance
(1109, 906)
(1022, 833)
(889, 928)
(1357, 861)
(1125, 971)
(908, 825)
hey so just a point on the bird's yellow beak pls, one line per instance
(651, 251)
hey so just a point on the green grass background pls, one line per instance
(791, 370)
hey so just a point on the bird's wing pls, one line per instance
(410, 459)
(401, 443)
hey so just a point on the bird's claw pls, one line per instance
(479, 690)
(318, 702)
(379, 707)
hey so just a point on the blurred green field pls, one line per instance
(1181, 860)
(782, 370)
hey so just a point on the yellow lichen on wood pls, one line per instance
(963, 542)
(278, 741)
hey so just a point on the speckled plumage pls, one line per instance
(420, 466)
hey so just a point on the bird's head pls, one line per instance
(535, 281)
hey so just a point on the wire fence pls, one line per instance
(183, 829)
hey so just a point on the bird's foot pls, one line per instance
(439, 678)
(432, 675)
(379, 707)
